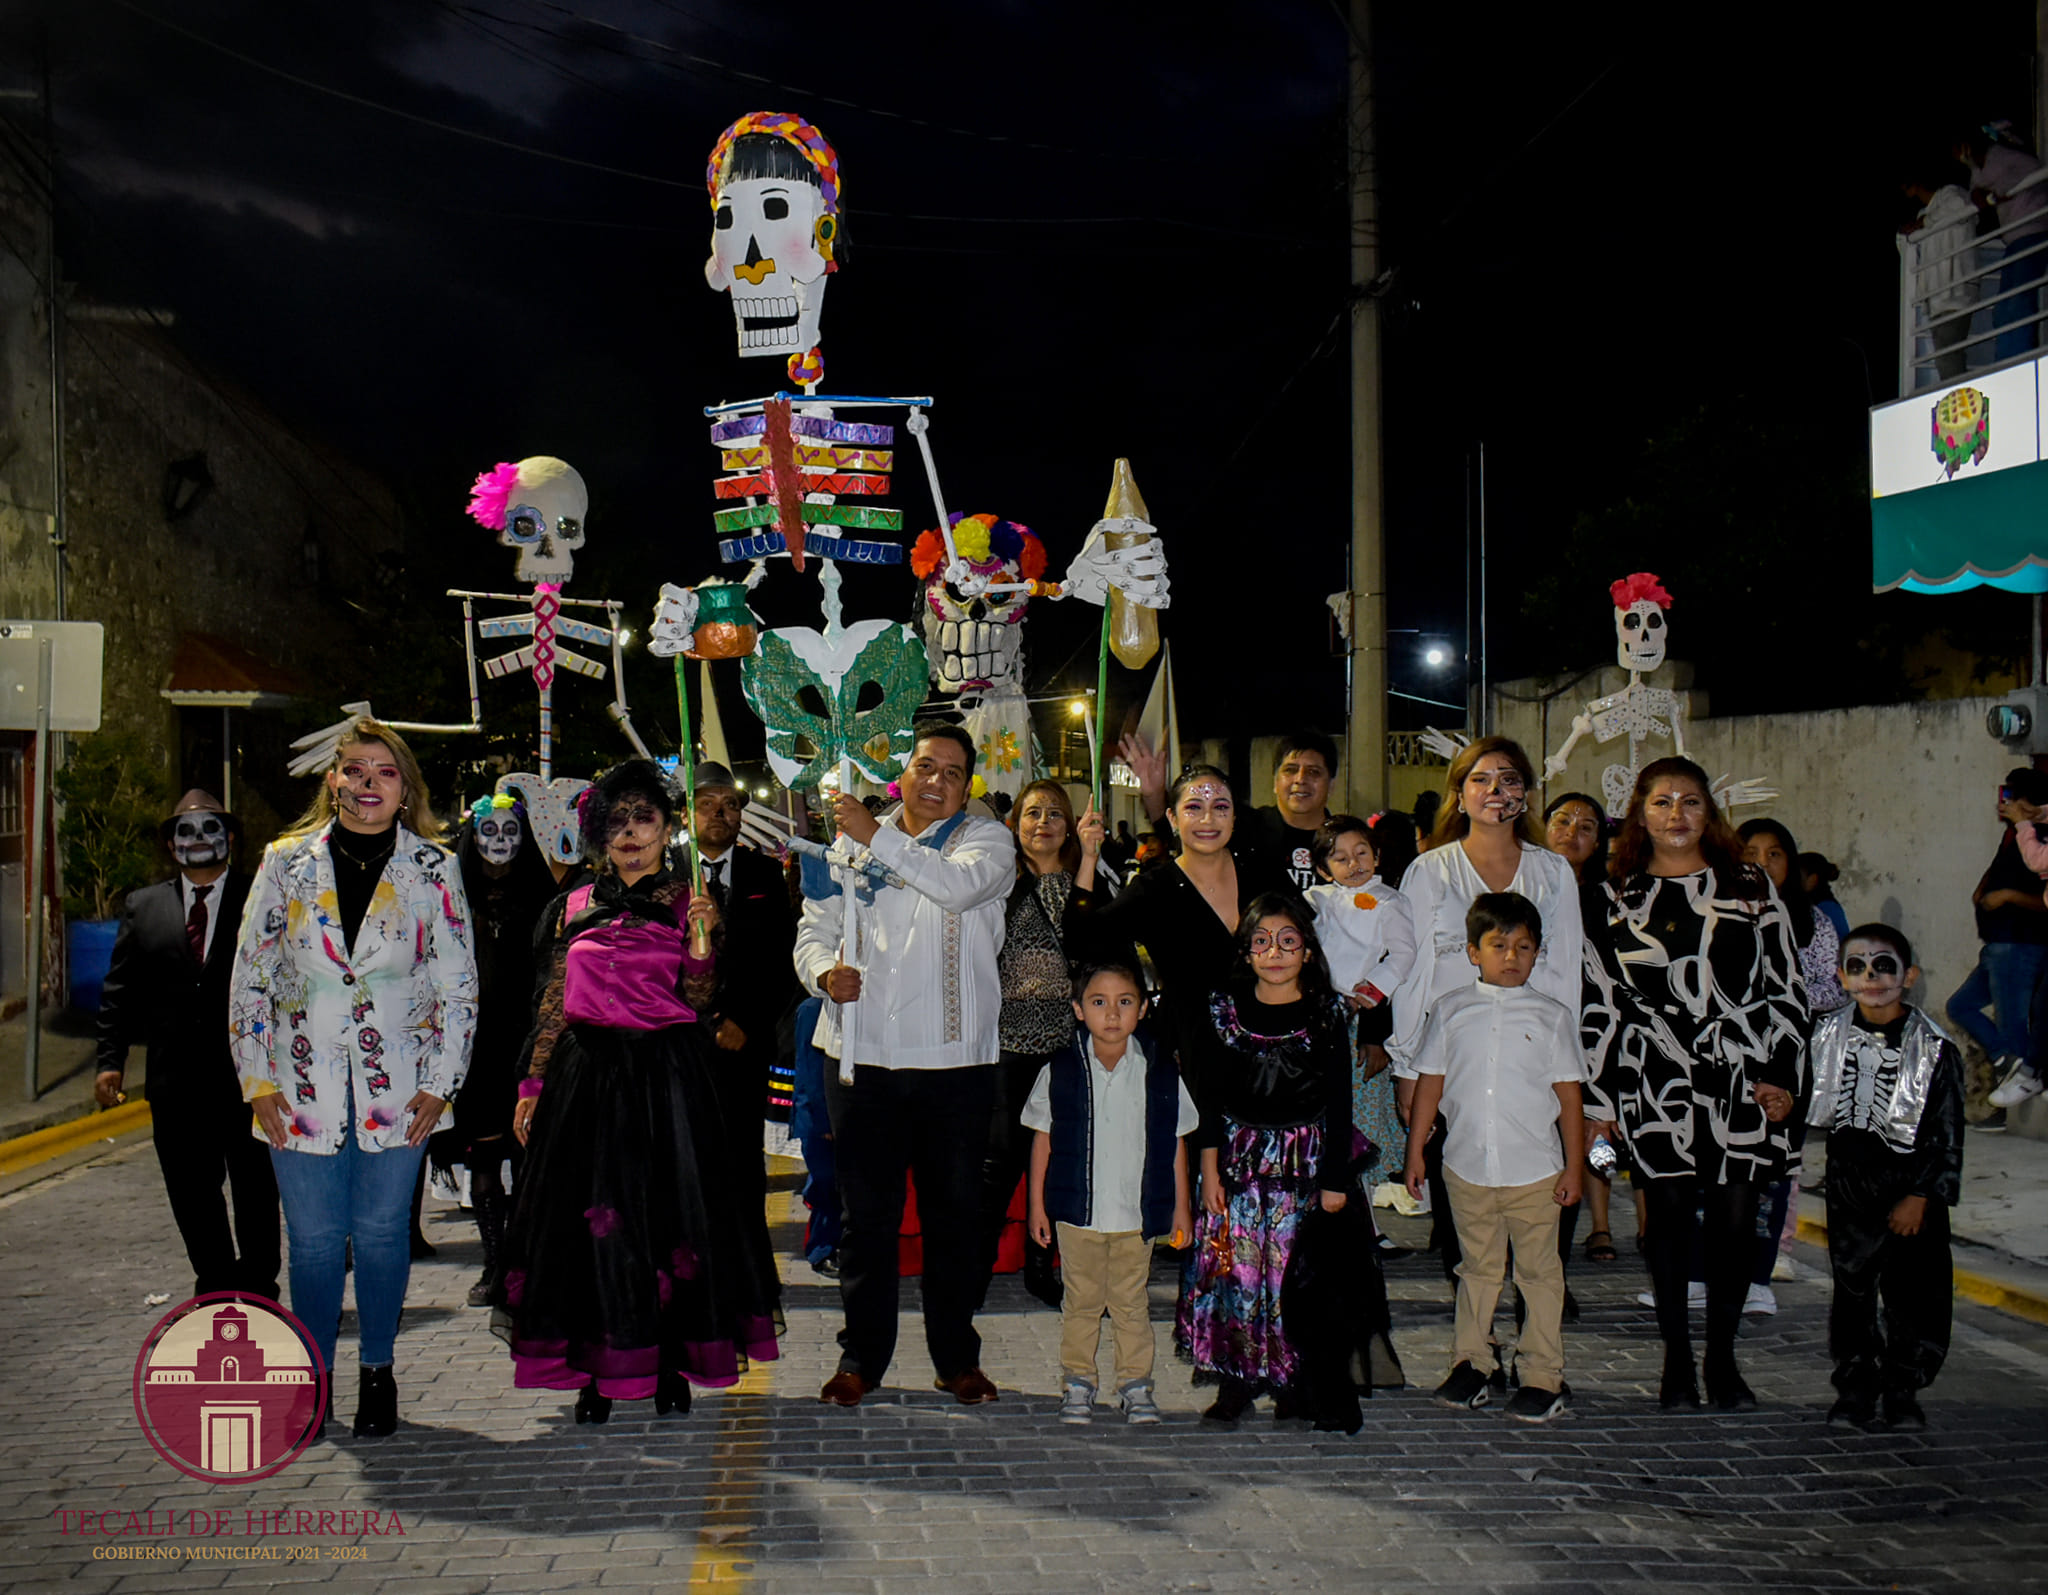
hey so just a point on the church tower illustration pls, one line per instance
(234, 1408)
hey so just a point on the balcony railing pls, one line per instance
(1972, 304)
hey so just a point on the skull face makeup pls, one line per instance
(976, 643)
(500, 826)
(774, 185)
(1874, 974)
(538, 507)
(199, 841)
(1639, 628)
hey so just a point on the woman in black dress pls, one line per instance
(1695, 1023)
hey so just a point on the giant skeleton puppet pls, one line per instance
(537, 506)
(1639, 712)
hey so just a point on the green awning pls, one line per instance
(1986, 531)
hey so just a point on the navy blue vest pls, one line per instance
(1069, 1175)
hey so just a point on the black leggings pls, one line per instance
(1724, 1219)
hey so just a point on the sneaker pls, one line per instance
(1533, 1405)
(2019, 1086)
(1078, 1404)
(1761, 1302)
(1853, 1410)
(2005, 1066)
(1139, 1407)
(1993, 1123)
(1466, 1387)
(1902, 1412)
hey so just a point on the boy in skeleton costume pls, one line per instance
(1888, 1089)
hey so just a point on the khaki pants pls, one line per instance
(1491, 1221)
(1105, 1271)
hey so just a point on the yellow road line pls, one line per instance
(1971, 1286)
(40, 1146)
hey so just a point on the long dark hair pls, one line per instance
(1595, 867)
(1793, 894)
(1719, 844)
(635, 778)
(1070, 849)
(1315, 964)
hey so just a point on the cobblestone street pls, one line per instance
(764, 1489)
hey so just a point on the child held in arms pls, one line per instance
(1504, 1066)
(1110, 1170)
(1888, 1089)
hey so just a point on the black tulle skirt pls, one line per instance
(625, 1258)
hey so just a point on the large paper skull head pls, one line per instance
(537, 507)
(1639, 628)
(976, 643)
(774, 185)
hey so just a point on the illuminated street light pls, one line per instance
(1078, 708)
(1435, 658)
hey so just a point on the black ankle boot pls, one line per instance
(376, 1404)
(671, 1394)
(1680, 1386)
(592, 1407)
(488, 1200)
(1725, 1385)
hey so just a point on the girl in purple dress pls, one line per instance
(1272, 1077)
(625, 1277)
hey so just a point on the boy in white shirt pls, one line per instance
(1109, 1165)
(1504, 1065)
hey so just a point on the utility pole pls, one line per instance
(1365, 758)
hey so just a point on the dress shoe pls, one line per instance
(1726, 1388)
(376, 1404)
(1680, 1386)
(1902, 1413)
(970, 1389)
(592, 1407)
(1233, 1401)
(844, 1389)
(671, 1394)
(1854, 1409)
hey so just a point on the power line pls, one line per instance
(392, 110)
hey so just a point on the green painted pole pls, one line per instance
(686, 766)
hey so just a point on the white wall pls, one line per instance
(1900, 796)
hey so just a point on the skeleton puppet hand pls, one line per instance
(675, 619)
(1138, 572)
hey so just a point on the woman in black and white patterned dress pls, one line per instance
(1696, 1025)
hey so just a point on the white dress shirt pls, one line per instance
(187, 891)
(1375, 943)
(1501, 1049)
(1440, 887)
(930, 997)
(1116, 1142)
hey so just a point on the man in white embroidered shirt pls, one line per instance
(910, 1014)
(1504, 1065)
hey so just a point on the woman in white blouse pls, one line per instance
(1485, 840)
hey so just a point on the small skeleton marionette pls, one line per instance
(1639, 712)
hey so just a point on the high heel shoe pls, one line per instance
(1680, 1386)
(376, 1405)
(592, 1407)
(671, 1394)
(1726, 1387)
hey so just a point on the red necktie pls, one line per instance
(195, 923)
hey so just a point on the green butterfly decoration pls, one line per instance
(805, 743)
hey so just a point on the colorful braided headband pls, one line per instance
(781, 124)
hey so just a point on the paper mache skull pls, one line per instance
(774, 184)
(538, 507)
(976, 644)
(500, 826)
(1639, 626)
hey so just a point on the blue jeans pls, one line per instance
(2004, 981)
(2018, 312)
(326, 1200)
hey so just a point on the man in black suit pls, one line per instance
(167, 989)
(757, 979)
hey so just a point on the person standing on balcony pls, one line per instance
(1999, 174)
(1937, 248)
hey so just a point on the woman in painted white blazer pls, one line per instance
(352, 1009)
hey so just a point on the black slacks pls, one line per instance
(200, 1152)
(1911, 1276)
(933, 1124)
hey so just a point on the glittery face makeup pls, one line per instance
(1204, 817)
(199, 841)
(368, 786)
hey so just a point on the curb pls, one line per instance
(40, 1146)
(2019, 1300)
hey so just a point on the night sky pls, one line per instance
(1089, 231)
